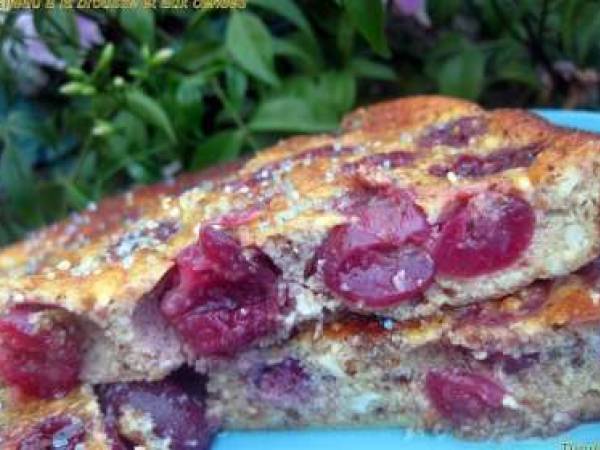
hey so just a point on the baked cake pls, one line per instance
(526, 365)
(418, 209)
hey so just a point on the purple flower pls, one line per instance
(413, 8)
(33, 47)
(37, 51)
(89, 33)
(26, 55)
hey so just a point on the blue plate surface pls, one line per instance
(585, 436)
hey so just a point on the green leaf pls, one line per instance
(54, 200)
(365, 68)
(16, 175)
(20, 123)
(195, 56)
(150, 110)
(77, 88)
(492, 16)
(139, 172)
(18, 182)
(139, 23)
(251, 46)
(57, 22)
(345, 33)
(338, 90)
(287, 9)
(220, 147)
(511, 63)
(75, 196)
(519, 73)
(190, 89)
(568, 24)
(462, 74)
(105, 59)
(237, 85)
(290, 114)
(368, 16)
(296, 53)
(131, 128)
(588, 33)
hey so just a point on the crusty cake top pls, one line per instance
(96, 261)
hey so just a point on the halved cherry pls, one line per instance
(391, 215)
(376, 260)
(460, 395)
(40, 350)
(372, 273)
(381, 275)
(223, 297)
(487, 233)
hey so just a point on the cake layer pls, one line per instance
(528, 365)
(417, 205)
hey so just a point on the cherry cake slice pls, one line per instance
(525, 365)
(416, 206)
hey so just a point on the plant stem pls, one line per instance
(85, 149)
(234, 114)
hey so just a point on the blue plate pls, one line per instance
(395, 439)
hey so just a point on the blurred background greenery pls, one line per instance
(92, 101)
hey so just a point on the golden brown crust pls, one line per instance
(45, 246)
(96, 232)
(102, 272)
(407, 114)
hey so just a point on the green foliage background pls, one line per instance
(181, 90)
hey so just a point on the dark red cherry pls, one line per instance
(174, 414)
(376, 259)
(487, 233)
(381, 275)
(40, 350)
(224, 297)
(460, 395)
(283, 383)
(389, 214)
